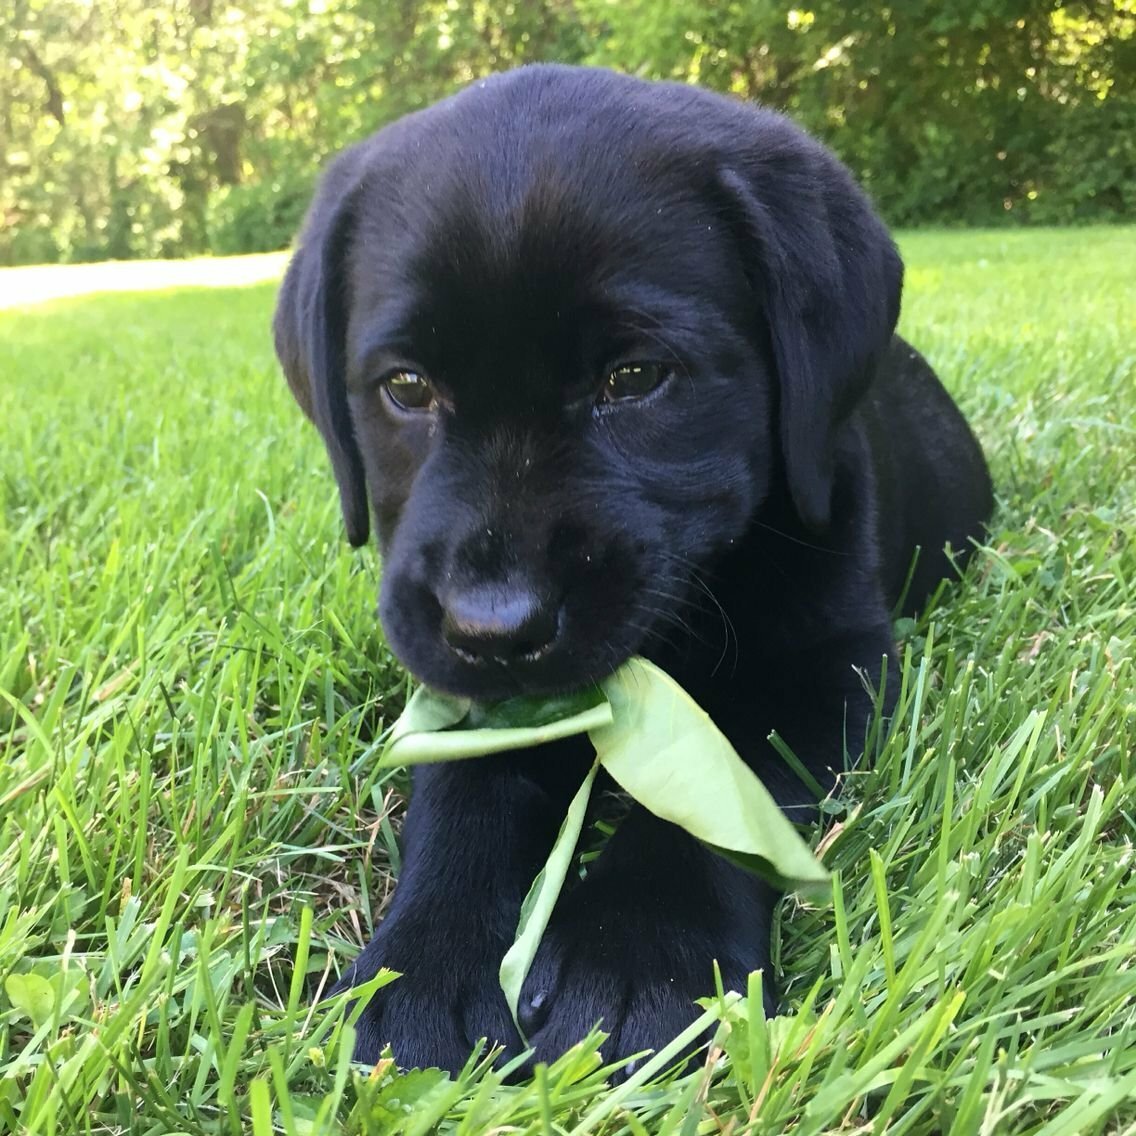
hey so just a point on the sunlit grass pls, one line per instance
(193, 836)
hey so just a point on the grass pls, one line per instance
(193, 836)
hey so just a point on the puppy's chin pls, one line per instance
(493, 681)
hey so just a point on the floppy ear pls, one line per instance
(829, 278)
(309, 329)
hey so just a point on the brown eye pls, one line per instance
(409, 390)
(634, 380)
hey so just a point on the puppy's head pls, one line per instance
(564, 332)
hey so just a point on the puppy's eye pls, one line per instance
(634, 380)
(409, 390)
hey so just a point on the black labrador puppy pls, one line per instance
(612, 365)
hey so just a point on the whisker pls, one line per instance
(798, 540)
(729, 631)
(702, 588)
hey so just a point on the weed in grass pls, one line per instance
(194, 837)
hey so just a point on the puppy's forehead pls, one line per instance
(516, 215)
(491, 236)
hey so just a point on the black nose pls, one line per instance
(502, 624)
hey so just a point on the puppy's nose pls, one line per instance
(502, 624)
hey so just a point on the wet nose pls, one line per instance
(500, 624)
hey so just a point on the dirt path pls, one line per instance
(22, 287)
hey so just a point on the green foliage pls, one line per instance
(950, 111)
(130, 128)
(195, 835)
(260, 216)
(138, 129)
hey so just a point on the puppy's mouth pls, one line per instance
(490, 647)
(494, 680)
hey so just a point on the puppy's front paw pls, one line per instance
(447, 998)
(635, 973)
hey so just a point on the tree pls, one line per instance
(137, 129)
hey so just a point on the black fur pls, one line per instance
(749, 524)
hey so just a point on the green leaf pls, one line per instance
(533, 711)
(427, 711)
(664, 750)
(399, 1096)
(439, 727)
(657, 743)
(541, 899)
(31, 994)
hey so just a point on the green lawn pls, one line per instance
(193, 835)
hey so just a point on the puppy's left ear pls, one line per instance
(310, 330)
(829, 279)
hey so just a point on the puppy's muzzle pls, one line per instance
(503, 624)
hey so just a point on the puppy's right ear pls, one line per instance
(310, 329)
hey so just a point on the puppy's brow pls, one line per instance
(384, 345)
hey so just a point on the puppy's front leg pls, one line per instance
(636, 942)
(476, 834)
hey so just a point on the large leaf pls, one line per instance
(663, 749)
(541, 899)
(657, 743)
(439, 727)
(653, 738)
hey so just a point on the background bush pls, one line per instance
(260, 216)
(137, 128)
